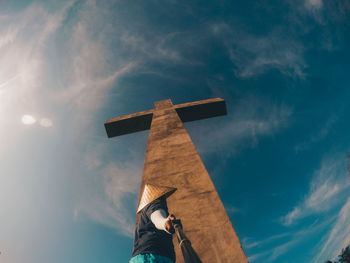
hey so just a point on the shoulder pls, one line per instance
(157, 204)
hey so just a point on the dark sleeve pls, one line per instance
(159, 203)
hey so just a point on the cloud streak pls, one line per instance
(250, 120)
(338, 237)
(254, 55)
(320, 135)
(314, 4)
(65, 97)
(277, 245)
(325, 191)
(119, 183)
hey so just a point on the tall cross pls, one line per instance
(172, 160)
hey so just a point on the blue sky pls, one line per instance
(278, 159)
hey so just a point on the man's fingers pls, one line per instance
(169, 227)
(172, 217)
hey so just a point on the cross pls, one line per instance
(172, 160)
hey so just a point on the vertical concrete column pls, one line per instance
(172, 160)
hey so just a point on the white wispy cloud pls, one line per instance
(156, 47)
(252, 243)
(250, 120)
(60, 76)
(23, 37)
(248, 243)
(108, 207)
(8, 37)
(267, 253)
(326, 190)
(338, 237)
(254, 55)
(319, 135)
(313, 4)
(88, 82)
(273, 247)
(232, 209)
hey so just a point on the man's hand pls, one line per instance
(169, 225)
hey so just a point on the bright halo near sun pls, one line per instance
(46, 122)
(28, 119)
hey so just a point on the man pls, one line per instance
(153, 234)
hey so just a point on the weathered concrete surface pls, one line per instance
(172, 160)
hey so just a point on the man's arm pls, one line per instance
(162, 222)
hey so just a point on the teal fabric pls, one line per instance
(150, 258)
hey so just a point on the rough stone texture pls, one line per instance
(172, 160)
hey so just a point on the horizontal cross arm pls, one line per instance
(129, 123)
(201, 109)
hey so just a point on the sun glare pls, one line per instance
(28, 119)
(45, 122)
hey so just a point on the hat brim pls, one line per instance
(153, 192)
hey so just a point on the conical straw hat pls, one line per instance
(152, 192)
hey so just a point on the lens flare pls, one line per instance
(28, 119)
(45, 122)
